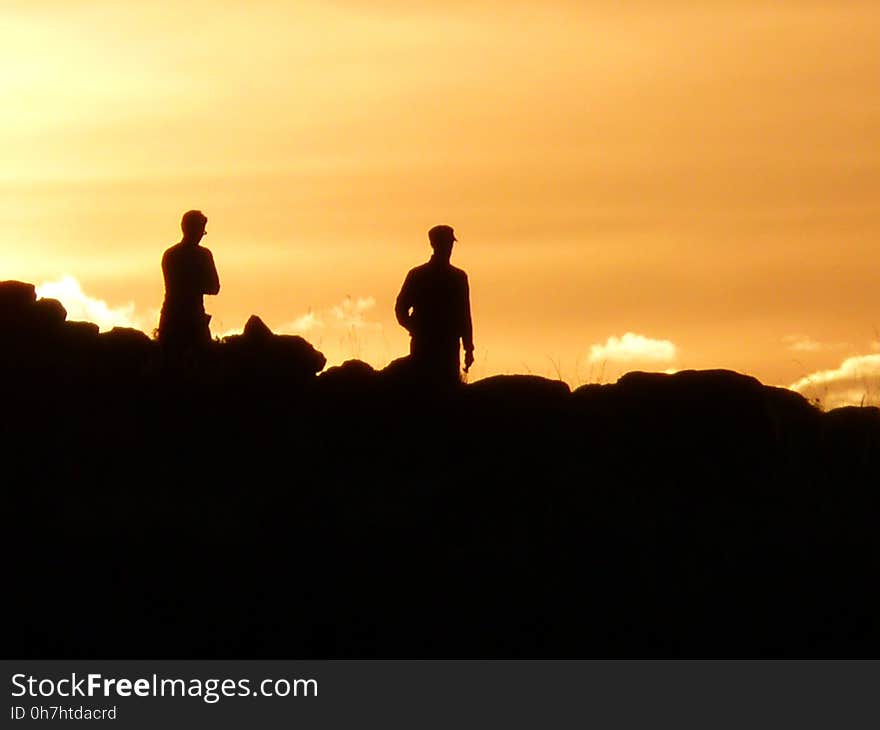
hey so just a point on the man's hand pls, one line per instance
(468, 359)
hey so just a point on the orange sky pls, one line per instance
(704, 178)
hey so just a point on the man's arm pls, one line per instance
(467, 330)
(404, 303)
(212, 281)
(165, 270)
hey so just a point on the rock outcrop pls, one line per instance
(261, 354)
(240, 505)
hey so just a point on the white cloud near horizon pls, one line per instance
(801, 343)
(350, 313)
(633, 347)
(302, 324)
(805, 343)
(342, 331)
(82, 307)
(855, 382)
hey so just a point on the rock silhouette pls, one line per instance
(257, 353)
(256, 508)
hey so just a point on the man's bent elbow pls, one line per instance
(401, 313)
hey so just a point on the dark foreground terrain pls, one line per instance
(243, 506)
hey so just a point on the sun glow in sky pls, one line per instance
(663, 184)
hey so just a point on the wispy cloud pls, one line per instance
(81, 306)
(350, 313)
(855, 382)
(307, 322)
(342, 331)
(801, 343)
(633, 347)
(805, 343)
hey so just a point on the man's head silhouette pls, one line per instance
(193, 226)
(442, 238)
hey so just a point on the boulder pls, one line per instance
(515, 405)
(694, 391)
(519, 389)
(353, 381)
(696, 385)
(48, 314)
(406, 375)
(256, 330)
(16, 302)
(126, 338)
(125, 350)
(718, 420)
(81, 331)
(851, 436)
(29, 328)
(295, 351)
(16, 295)
(398, 369)
(75, 347)
(259, 353)
(351, 375)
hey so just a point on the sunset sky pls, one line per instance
(643, 184)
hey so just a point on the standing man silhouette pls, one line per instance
(434, 307)
(189, 273)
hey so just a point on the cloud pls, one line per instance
(801, 343)
(855, 382)
(341, 331)
(81, 306)
(305, 323)
(349, 314)
(805, 343)
(633, 347)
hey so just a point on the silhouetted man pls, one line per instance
(189, 273)
(434, 306)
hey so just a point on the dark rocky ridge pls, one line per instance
(244, 506)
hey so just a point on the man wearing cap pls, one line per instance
(189, 273)
(434, 307)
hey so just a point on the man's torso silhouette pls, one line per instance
(189, 273)
(438, 295)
